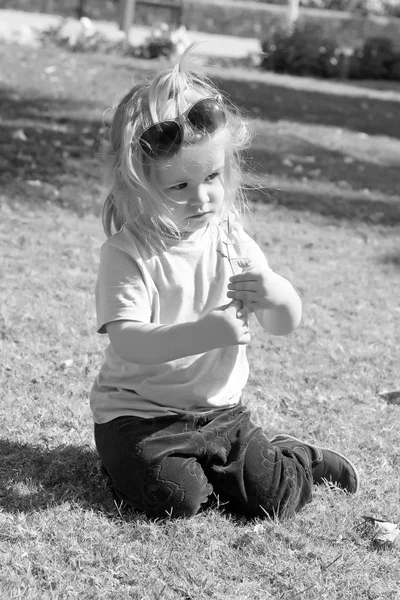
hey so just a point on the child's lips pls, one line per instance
(199, 216)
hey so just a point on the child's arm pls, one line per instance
(149, 343)
(283, 318)
(270, 296)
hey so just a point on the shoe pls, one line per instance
(326, 465)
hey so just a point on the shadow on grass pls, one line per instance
(354, 207)
(40, 134)
(49, 151)
(271, 100)
(33, 478)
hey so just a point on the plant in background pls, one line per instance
(304, 52)
(388, 8)
(159, 43)
(301, 51)
(86, 38)
(378, 59)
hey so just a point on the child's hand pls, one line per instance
(222, 327)
(258, 288)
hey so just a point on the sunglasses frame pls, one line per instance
(174, 146)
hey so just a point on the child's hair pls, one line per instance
(134, 196)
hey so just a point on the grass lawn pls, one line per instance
(329, 219)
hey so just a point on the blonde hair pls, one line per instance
(134, 196)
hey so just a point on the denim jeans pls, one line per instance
(171, 465)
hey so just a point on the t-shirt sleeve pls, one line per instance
(121, 293)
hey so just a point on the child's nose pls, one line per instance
(200, 195)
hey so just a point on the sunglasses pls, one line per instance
(165, 138)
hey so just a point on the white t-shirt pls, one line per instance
(179, 285)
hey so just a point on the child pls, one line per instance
(178, 279)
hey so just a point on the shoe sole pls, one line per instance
(284, 436)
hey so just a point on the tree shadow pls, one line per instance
(292, 157)
(50, 151)
(369, 113)
(339, 206)
(372, 197)
(33, 477)
(39, 134)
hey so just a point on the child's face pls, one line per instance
(193, 180)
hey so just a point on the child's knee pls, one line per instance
(176, 487)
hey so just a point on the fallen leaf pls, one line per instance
(384, 532)
(19, 134)
(66, 364)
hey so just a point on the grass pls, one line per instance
(329, 220)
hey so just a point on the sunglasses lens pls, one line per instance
(206, 115)
(165, 138)
(162, 139)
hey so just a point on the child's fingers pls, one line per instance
(245, 339)
(243, 286)
(243, 296)
(244, 276)
(244, 313)
(235, 303)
